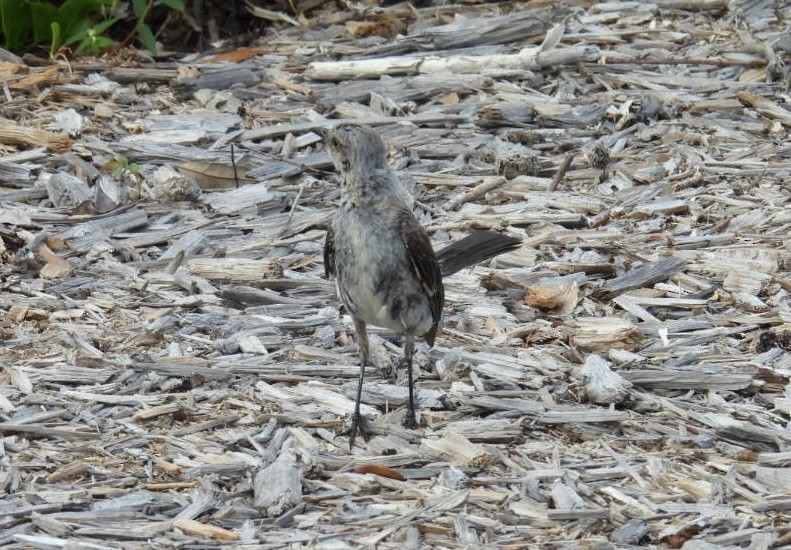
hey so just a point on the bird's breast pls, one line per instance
(374, 274)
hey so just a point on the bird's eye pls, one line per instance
(333, 142)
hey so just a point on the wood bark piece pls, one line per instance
(192, 527)
(37, 77)
(478, 191)
(234, 270)
(559, 299)
(642, 276)
(766, 107)
(459, 448)
(283, 129)
(526, 59)
(278, 487)
(12, 133)
(681, 380)
(600, 334)
(600, 383)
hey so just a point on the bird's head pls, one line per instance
(356, 149)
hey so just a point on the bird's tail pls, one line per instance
(473, 249)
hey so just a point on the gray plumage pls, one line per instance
(385, 268)
(386, 271)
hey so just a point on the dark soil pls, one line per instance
(202, 25)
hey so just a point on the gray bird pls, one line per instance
(385, 268)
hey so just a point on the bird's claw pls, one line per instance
(359, 425)
(410, 422)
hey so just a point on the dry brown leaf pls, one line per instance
(235, 56)
(378, 470)
(56, 266)
(213, 175)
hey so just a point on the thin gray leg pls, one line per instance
(362, 344)
(409, 348)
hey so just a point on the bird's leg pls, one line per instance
(357, 420)
(409, 348)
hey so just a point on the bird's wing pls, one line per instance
(425, 267)
(329, 253)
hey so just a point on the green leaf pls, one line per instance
(145, 36)
(75, 15)
(139, 8)
(42, 17)
(176, 5)
(55, 43)
(16, 22)
(80, 33)
(83, 47)
(102, 26)
(100, 43)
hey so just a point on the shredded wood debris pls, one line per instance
(175, 368)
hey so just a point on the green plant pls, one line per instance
(141, 9)
(84, 23)
(92, 38)
(121, 166)
(28, 23)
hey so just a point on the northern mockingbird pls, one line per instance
(385, 268)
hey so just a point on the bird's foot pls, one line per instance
(390, 372)
(410, 421)
(359, 425)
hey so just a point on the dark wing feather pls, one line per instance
(425, 267)
(329, 253)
